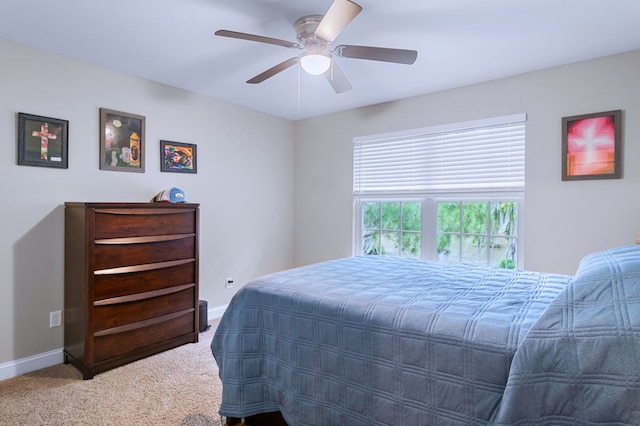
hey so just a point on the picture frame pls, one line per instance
(178, 157)
(592, 146)
(43, 141)
(122, 141)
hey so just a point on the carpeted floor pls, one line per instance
(176, 387)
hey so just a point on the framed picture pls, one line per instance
(592, 146)
(42, 141)
(178, 157)
(122, 141)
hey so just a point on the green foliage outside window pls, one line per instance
(392, 228)
(478, 232)
(474, 232)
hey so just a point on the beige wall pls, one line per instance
(563, 220)
(244, 184)
(258, 174)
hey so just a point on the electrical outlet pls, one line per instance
(229, 283)
(55, 319)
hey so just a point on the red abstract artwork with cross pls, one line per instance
(591, 146)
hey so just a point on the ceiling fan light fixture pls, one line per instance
(315, 63)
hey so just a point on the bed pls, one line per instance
(376, 340)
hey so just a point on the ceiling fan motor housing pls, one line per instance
(305, 30)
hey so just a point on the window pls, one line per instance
(449, 193)
(392, 228)
(478, 232)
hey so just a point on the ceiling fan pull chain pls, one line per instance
(299, 95)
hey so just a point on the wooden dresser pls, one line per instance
(131, 281)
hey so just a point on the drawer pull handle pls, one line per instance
(142, 268)
(143, 211)
(143, 240)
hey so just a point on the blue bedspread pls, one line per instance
(580, 363)
(378, 341)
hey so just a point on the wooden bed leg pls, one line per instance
(264, 419)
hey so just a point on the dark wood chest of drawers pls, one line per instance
(131, 281)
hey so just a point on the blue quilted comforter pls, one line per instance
(377, 341)
(387, 341)
(580, 363)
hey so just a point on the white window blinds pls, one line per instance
(482, 155)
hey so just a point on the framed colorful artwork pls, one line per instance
(122, 141)
(178, 157)
(592, 146)
(42, 141)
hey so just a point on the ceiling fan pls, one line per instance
(315, 33)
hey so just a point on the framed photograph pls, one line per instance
(122, 141)
(42, 141)
(178, 157)
(592, 146)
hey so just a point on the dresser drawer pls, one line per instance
(129, 341)
(136, 251)
(118, 223)
(143, 278)
(136, 307)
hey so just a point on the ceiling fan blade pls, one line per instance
(398, 56)
(261, 39)
(337, 79)
(273, 71)
(339, 15)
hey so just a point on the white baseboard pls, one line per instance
(47, 359)
(32, 363)
(216, 312)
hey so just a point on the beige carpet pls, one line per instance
(177, 387)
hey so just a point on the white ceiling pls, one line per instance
(459, 42)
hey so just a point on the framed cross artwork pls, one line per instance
(42, 141)
(592, 146)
